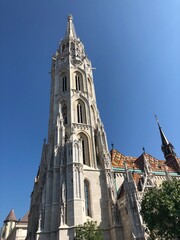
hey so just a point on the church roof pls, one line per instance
(11, 216)
(118, 159)
(137, 163)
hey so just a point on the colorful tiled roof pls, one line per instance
(118, 159)
(137, 163)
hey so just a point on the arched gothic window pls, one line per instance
(66, 138)
(72, 46)
(87, 198)
(67, 45)
(93, 118)
(104, 139)
(78, 82)
(64, 112)
(63, 47)
(90, 87)
(85, 149)
(81, 113)
(64, 83)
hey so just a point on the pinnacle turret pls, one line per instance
(11, 216)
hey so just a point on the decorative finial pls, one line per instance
(143, 148)
(70, 17)
(70, 31)
(112, 145)
(44, 140)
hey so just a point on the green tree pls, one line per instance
(160, 210)
(88, 231)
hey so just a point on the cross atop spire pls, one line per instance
(70, 30)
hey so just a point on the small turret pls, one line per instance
(11, 217)
(9, 225)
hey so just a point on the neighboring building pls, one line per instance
(14, 229)
(134, 176)
(78, 179)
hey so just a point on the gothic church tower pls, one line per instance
(74, 182)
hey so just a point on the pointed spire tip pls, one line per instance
(70, 17)
(164, 140)
(157, 120)
(11, 216)
(70, 31)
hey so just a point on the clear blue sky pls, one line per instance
(135, 47)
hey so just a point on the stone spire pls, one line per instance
(70, 31)
(76, 155)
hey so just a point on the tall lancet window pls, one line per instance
(87, 198)
(90, 87)
(78, 82)
(64, 112)
(81, 113)
(85, 149)
(63, 47)
(64, 83)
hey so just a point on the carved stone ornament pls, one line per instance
(78, 167)
(107, 163)
(76, 143)
(81, 126)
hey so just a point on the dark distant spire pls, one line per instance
(11, 216)
(163, 137)
(166, 146)
(70, 31)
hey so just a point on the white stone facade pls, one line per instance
(75, 181)
(78, 179)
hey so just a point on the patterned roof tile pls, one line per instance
(137, 163)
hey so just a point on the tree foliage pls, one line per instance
(160, 210)
(88, 231)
